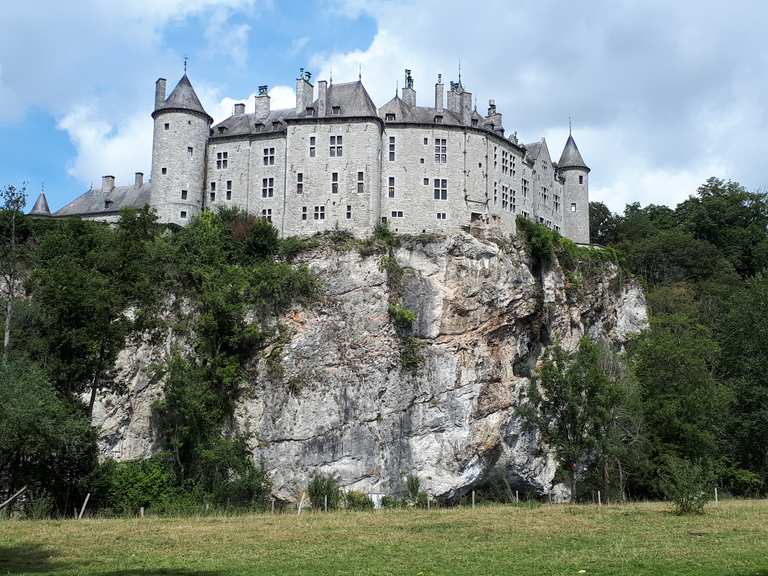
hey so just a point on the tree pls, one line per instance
(578, 403)
(602, 224)
(13, 201)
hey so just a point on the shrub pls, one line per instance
(688, 485)
(322, 487)
(402, 317)
(358, 501)
(124, 487)
(383, 234)
(391, 502)
(412, 485)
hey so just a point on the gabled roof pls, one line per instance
(242, 124)
(571, 157)
(183, 97)
(41, 206)
(352, 99)
(96, 202)
(533, 150)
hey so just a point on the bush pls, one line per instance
(402, 317)
(412, 485)
(322, 487)
(358, 501)
(688, 485)
(383, 234)
(391, 502)
(124, 487)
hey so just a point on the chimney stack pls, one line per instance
(107, 184)
(439, 93)
(409, 94)
(322, 96)
(139, 180)
(262, 102)
(239, 109)
(159, 92)
(304, 91)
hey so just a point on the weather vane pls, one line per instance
(185, 64)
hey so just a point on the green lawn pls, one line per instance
(731, 539)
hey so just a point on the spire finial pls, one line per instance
(459, 69)
(359, 72)
(570, 126)
(330, 76)
(185, 64)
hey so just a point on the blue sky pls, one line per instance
(663, 95)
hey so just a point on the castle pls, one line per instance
(335, 161)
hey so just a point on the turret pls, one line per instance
(178, 153)
(40, 209)
(576, 192)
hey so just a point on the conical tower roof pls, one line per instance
(41, 206)
(183, 97)
(571, 157)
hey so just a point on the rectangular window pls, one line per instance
(183, 194)
(213, 186)
(441, 216)
(183, 214)
(391, 148)
(319, 212)
(441, 189)
(389, 117)
(312, 147)
(335, 149)
(335, 110)
(213, 196)
(269, 156)
(573, 206)
(361, 182)
(303, 212)
(334, 182)
(164, 171)
(222, 159)
(581, 179)
(391, 186)
(299, 183)
(426, 181)
(229, 194)
(426, 141)
(440, 150)
(266, 213)
(168, 127)
(267, 187)
(190, 151)
(349, 211)
(525, 188)
(397, 213)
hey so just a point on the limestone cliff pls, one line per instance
(331, 395)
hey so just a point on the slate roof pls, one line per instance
(571, 157)
(95, 201)
(533, 150)
(183, 97)
(351, 97)
(41, 206)
(417, 114)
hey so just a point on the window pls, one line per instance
(269, 156)
(441, 189)
(183, 214)
(183, 194)
(426, 141)
(389, 117)
(335, 149)
(573, 206)
(213, 196)
(397, 213)
(361, 182)
(421, 160)
(474, 121)
(349, 211)
(267, 187)
(440, 149)
(557, 203)
(441, 216)
(391, 186)
(312, 142)
(164, 171)
(221, 160)
(438, 119)
(190, 151)
(167, 126)
(581, 179)
(319, 212)
(391, 148)
(426, 181)
(303, 212)
(266, 213)
(335, 110)
(229, 189)
(213, 186)
(544, 194)
(299, 183)
(334, 183)
(525, 188)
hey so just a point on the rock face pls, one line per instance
(334, 398)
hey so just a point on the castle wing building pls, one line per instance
(336, 161)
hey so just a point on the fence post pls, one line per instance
(427, 502)
(273, 505)
(325, 503)
(473, 499)
(85, 503)
(715, 495)
(141, 512)
(599, 500)
(301, 503)
(517, 497)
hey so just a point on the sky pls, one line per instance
(662, 95)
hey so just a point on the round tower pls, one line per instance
(179, 144)
(575, 193)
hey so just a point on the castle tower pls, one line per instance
(576, 192)
(179, 146)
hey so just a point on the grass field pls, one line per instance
(731, 539)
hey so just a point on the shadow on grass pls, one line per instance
(36, 559)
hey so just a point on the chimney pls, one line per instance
(465, 99)
(439, 93)
(409, 94)
(107, 184)
(262, 102)
(139, 180)
(304, 91)
(322, 95)
(491, 107)
(239, 109)
(454, 105)
(159, 92)
(494, 117)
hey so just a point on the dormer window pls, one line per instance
(336, 110)
(474, 121)
(310, 111)
(438, 119)
(275, 125)
(222, 130)
(389, 117)
(258, 127)
(107, 204)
